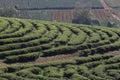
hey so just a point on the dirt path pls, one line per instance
(44, 60)
(108, 9)
(52, 59)
(2, 63)
(115, 53)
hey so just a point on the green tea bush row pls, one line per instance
(4, 24)
(82, 60)
(23, 57)
(78, 39)
(115, 59)
(103, 35)
(13, 27)
(25, 50)
(59, 50)
(21, 32)
(64, 36)
(30, 43)
(94, 67)
(25, 38)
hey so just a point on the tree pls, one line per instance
(7, 12)
(82, 13)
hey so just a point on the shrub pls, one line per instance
(69, 72)
(22, 58)
(78, 77)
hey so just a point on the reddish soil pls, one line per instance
(62, 15)
(2, 64)
(109, 12)
(52, 59)
(115, 53)
(102, 14)
(44, 60)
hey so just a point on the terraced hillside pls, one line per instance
(26, 40)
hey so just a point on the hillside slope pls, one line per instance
(27, 40)
(97, 67)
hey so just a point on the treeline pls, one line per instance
(8, 12)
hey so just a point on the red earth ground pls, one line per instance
(109, 12)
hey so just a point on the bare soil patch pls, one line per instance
(53, 58)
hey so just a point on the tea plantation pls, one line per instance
(95, 67)
(24, 40)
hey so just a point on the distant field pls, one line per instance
(113, 3)
(50, 10)
(46, 4)
(35, 14)
(102, 14)
(117, 11)
(60, 15)
(63, 15)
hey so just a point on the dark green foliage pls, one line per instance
(88, 68)
(22, 58)
(27, 40)
(69, 72)
(59, 50)
(83, 17)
